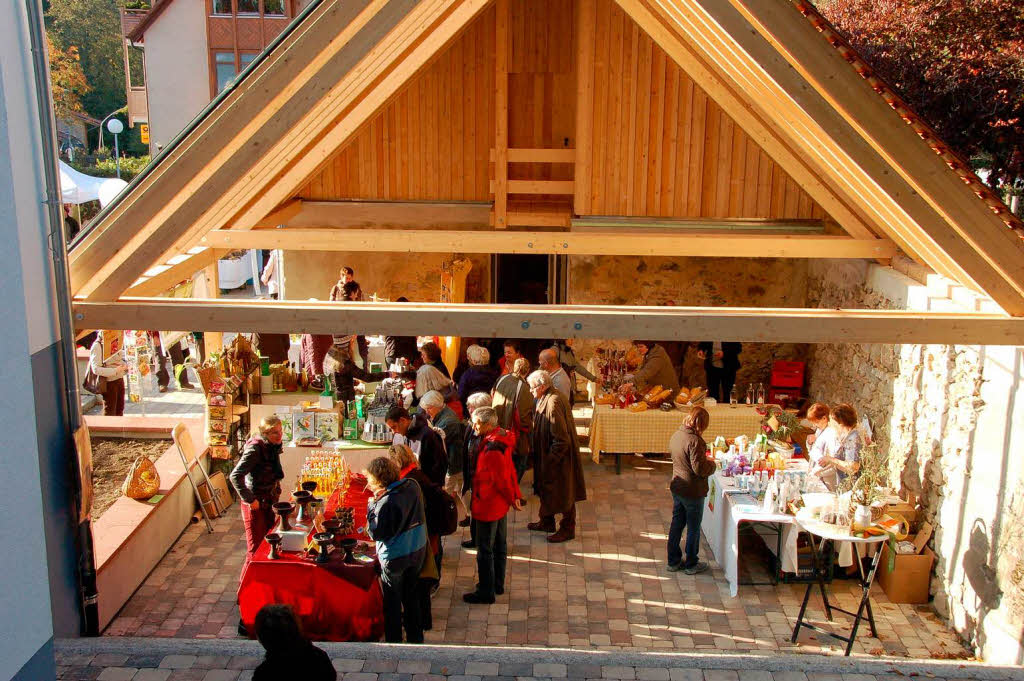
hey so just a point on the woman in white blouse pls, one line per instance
(114, 370)
(820, 442)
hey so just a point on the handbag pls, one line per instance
(143, 481)
(94, 383)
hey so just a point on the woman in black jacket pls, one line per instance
(691, 469)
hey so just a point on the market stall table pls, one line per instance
(335, 601)
(727, 508)
(827, 536)
(622, 432)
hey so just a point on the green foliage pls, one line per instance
(67, 81)
(94, 28)
(958, 63)
(105, 166)
(870, 483)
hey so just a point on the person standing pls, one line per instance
(271, 276)
(312, 350)
(345, 275)
(512, 350)
(557, 472)
(274, 346)
(470, 450)
(397, 523)
(656, 368)
(113, 369)
(444, 419)
(513, 403)
(548, 361)
(496, 490)
(721, 362)
(398, 347)
(430, 353)
(257, 479)
(480, 376)
(691, 469)
(416, 432)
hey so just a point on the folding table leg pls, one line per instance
(810, 587)
(819, 557)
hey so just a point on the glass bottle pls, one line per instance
(733, 396)
(760, 393)
(750, 393)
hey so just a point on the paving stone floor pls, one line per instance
(607, 589)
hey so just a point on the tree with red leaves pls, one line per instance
(958, 63)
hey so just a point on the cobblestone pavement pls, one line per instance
(172, 404)
(177, 660)
(607, 589)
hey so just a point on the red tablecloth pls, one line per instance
(334, 601)
(355, 498)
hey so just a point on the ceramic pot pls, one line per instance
(323, 539)
(347, 546)
(274, 539)
(302, 499)
(862, 518)
(284, 509)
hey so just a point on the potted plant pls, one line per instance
(869, 484)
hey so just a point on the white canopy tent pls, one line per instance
(76, 187)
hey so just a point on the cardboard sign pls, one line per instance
(113, 343)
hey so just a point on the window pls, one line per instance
(248, 6)
(273, 8)
(222, 7)
(245, 59)
(224, 67)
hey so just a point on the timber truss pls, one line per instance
(883, 180)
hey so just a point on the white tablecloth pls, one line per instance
(724, 511)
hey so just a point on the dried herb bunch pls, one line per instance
(870, 483)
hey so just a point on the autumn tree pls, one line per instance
(958, 63)
(92, 27)
(66, 80)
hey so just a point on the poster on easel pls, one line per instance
(113, 343)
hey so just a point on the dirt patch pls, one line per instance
(111, 459)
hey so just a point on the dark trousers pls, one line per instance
(163, 378)
(257, 524)
(720, 383)
(686, 515)
(402, 605)
(113, 398)
(568, 518)
(521, 463)
(491, 555)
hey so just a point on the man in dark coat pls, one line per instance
(428, 445)
(514, 405)
(721, 362)
(557, 471)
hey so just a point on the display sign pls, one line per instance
(144, 133)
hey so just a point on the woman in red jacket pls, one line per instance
(495, 490)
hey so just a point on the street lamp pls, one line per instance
(116, 127)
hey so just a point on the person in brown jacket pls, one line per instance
(656, 368)
(513, 403)
(691, 469)
(557, 471)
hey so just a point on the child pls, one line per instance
(289, 653)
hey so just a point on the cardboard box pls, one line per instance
(909, 580)
(220, 489)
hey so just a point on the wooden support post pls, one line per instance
(214, 339)
(501, 116)
(586, 20)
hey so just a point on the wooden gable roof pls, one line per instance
(770, 65)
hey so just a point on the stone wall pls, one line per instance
(417, 276)
(733, 282)
(951, 419)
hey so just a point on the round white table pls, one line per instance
(827, 536)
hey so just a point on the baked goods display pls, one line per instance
(691, 397)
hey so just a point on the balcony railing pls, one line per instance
(130, 18)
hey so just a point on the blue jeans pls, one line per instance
(686, 514)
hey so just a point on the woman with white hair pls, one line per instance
(557, 471)
(444, 419)
(480, 376)
(428, 378)
(469, 448)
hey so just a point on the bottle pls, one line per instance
(733, 397)
(750, 393)
(760, 393)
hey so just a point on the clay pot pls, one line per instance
(347, 545)
(303, 498)
(284, 509)
(274, 539)
(323, 539)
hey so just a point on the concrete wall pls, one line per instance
(417, 276)
(952, 418)
(634, 280)
(177, 70)
(38, 596)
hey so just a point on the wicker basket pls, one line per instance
(142, 481)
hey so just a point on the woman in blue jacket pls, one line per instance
(396, 521)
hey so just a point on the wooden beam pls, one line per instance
(165, 277)
(831, 197)
(557, 321)
(566, 243)
(586, 20)
(538, 155)
(407, 214)
(499, 186)
(279, 216)
(227, 140)
(851, 96)
(533, 187)
(780, 94)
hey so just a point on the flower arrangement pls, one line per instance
(777, 423)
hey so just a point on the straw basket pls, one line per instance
(142, 481)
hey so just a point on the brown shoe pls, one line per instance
(541, 527)
(561, 536)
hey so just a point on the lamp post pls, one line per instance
(116, 127)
